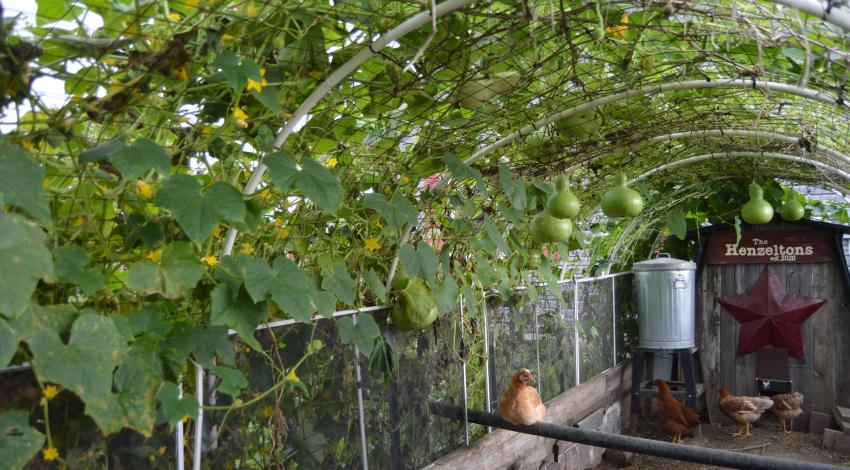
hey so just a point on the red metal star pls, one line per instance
(770, 316)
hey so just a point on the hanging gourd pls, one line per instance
(563, 204)
(757, 210)
(580, 126)
(621, 200)
(792, 210)
(415, 307)
(548, 229)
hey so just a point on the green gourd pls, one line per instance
(621, 200)
(757, 210)
(415, 306)
(792, 210)
(563, 204)
(579, 126)
(548, 229)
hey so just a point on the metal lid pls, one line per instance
(664, 263)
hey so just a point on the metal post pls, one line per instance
(537, 347)
(575, 333)
(360, 414)
(463, 373)
(487, 378)
(178, 434)
(199, 422)
(614, 316)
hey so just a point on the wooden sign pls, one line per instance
(777, 246)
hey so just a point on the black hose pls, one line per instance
(632, 444)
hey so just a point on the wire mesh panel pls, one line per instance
(315, 424)
(625, 308)
(595, 327)
(535, 335)
(400, 430)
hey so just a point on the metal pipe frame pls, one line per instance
(364, 446)
(836, 16)
(775, 136)
(729, 155)
(667, 450)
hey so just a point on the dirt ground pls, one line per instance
(797, 446)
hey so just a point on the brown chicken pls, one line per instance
(743, 410)
(520, 403)
(675, 416)
(787, 406)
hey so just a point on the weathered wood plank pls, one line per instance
(799, 281)
(502, 447)
(823, 357)
(842, 342)
(708, 335)
(728, 335)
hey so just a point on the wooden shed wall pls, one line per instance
(824, 378)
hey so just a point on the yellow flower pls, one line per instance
(185, 418)
(155, 255)
(217, 231)
(293, 376)
(251, 10)
(182, 74)
(210, 261)
(619, 30)
(283, 234)
(50, 454)
(372, 244)
(378, 224)
(317, 74)
(143, 189)
(331, 162)
(162, 450)
(79, 221)
(265, 195)
(50, 392)
(405, 179)
(240, 116)
(227, 37)
(238, 402)
(255, 85)
(152, 457)
(174, 16)
(246, 249)
(279, 223)
(206, 132)
(268, 411)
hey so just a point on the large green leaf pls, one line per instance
(133, 160)
(515, 190)
(678, 224)
(286, 283)
(238, 312)
(397, 211)
(236, 72)
(175, 407)
(36, 318)
(362, 333)
(134, 404)
(462, 171)
(446, 294)
(24, 259)
(232, 380)
(496, 237)
(314, 180)
(9, 339)
(340, 283)
(377, 286)
(421, 262)
(85, 365)
(18, 441)
(21, 183)
(198, 213)
(70, 262)
(177, 274)
(320, 185)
